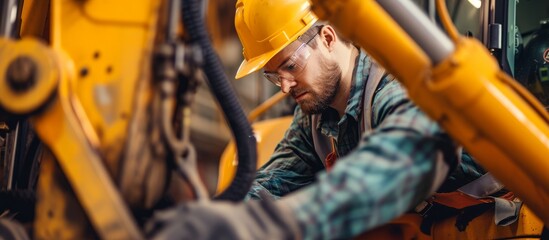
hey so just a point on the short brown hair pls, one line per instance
(315, 29)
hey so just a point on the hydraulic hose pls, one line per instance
(225, 95)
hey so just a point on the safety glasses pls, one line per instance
(293, 67)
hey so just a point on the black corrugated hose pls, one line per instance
(223, 91)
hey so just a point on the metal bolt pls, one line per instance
(21, 73)
(84, 72)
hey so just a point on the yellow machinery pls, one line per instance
(99, 82)
(85, 94)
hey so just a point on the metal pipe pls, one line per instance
(8, 17)
(174, 8)
(431, 11)
(11, 164)
(426, 34)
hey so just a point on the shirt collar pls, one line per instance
(329, 117)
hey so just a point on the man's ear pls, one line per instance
(328, 37)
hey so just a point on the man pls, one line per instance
(388, 155)
(401, 158)
(327, 77)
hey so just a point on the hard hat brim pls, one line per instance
(247, 67)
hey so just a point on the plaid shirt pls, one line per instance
(377, 177)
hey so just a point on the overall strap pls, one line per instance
(374, 78)
(321, 143)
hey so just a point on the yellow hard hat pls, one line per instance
(265, 27)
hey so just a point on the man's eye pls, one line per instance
(290, 67)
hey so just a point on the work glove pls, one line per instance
(263, 219)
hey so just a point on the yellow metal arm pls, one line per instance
(64, 128)
(256, 112)
(464, 91)
(83, 89)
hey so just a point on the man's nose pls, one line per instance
(286, 84)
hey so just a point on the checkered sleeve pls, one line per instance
(390, 172)
(293, 164)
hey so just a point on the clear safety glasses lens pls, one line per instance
(292, 68)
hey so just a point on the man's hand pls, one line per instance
(225, 220)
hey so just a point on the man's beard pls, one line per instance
(325, 89)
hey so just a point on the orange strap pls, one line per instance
(331, 157)
(459, 200)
